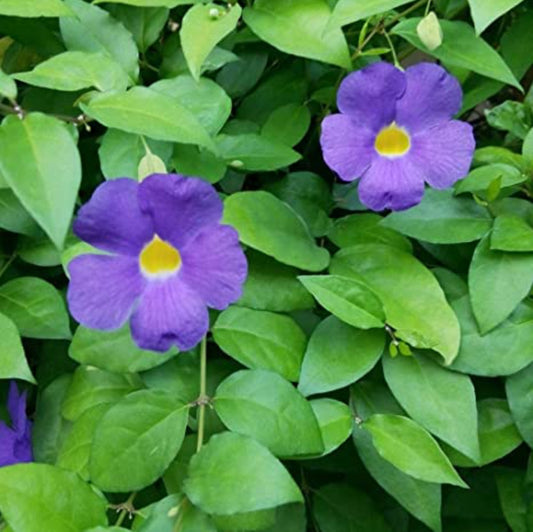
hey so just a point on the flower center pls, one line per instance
(392, 141)
(159, 257)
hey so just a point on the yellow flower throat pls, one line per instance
(159, 257)
(392, 141)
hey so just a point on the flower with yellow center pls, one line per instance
(159, 258)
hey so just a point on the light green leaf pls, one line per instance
(498, 281)
(339, 507)
(149, 3)
(273, 286)
(136, 440)
(91, 387)
(485, 13)
(287, 124)
(448, 408)
(511, 116)
(235, 474)
(412, 298)
(299, 27)
(257, 520)
(114, 351)
(150, 164)
(272, 227)
(192, 160)
(334, 420)
(14, 217)
(36, 308)
(41, 251)
(348, 11)
(29, 499)
(266, 407)
(348, 299)
(511, 233)
(337, 355)
(46, 185)
(31, 8)
(14, 364)
(410, 448)
(479, 179)
(366, 228)
(261, 340)
(95, 30)
(498, 435)
(520, 397)
(202, 28)
(147, 112)
(8, 87)
(253, 152)
(73, 71)
(461, 48)
(421, 499)
(441, 218)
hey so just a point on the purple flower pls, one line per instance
(395, 132)
(15, 441)
(170, 259)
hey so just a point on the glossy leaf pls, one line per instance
(520, 397)
(334, 420)
(485, 13)
(511, 233)
(287, 124)
(30, 8)
(14, 364)
(348, 11)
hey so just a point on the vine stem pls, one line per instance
(6, 265)
(203, 396)
(127, 508)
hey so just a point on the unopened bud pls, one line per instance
(429, 31)
(214, 13)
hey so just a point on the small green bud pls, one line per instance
(429, 31)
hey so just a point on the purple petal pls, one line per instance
(215, 266)
(444, 152)
(369, 95)
(16, 406)
(103, 289)
(112, 219)
(169, 313)
(7, 445)
(347, 149)
(179, 206)
(394, 183)
(431, 96)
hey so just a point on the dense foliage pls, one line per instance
(375, 375)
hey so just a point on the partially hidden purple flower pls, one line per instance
(395, 132)
(15, 439)
(170, 259)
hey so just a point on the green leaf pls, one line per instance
(192, 160)
(95, 30)
(498, 281)
(235, 474)
(348, 11)
(300, 28)
(502, 351)
(334, 420)
(461, 48)
(114, 351)
(366, 228)
(203, 98)
(257, 520)
(411, 449)
(485, 13)
(511, 233)
(514, 117)
(46, 185)
(511, 488)
(498, 435)
(147, 112)
(479, 179)
(240, 76)
(14, 364)
(273, 286)
(31, 8)
(149, 3)
(441, 218)
(272, 227)
(339, 507)
(120, 153)
(41, 251)
(266, 407)
(202, 28)
(289, 518)
(337, 355)
(36, 308)
(412, 298)
(421, 499)
(287, 124)
(261, 340)
(136, 440)
(91, 387)
(448, 408)
(253, 152)
(8, 87)
(14, 217)
(520, 397)
(75, 450)
(150, 164)
(29, 501)
(348, 299)
(73, 71)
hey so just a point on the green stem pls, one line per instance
(7, 264)
(203, 395)
(127, 508)
(392, 49)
